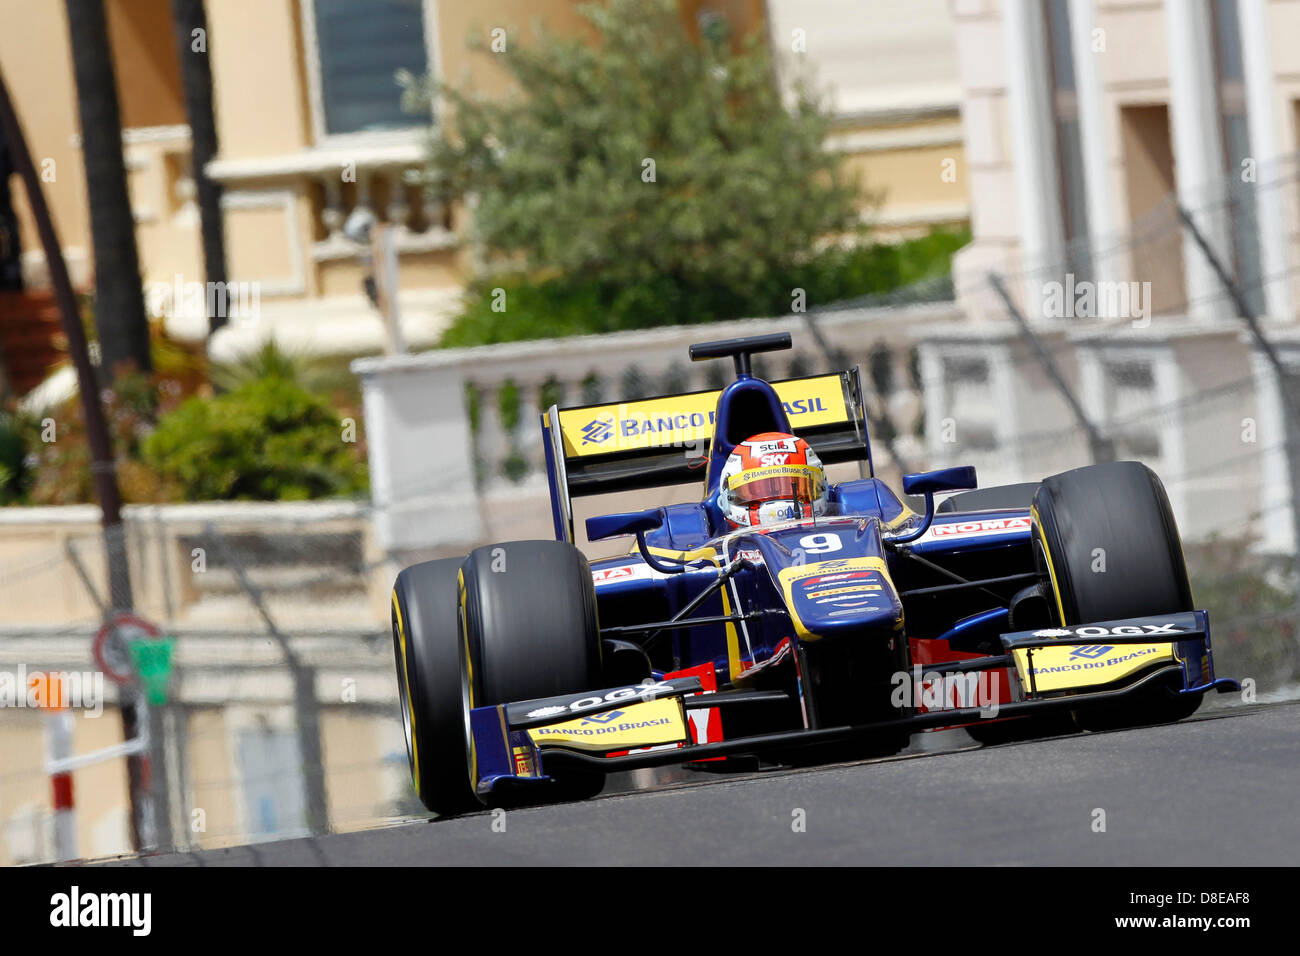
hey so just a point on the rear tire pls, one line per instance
(528, 616)
(1120, 508)
(427, 645)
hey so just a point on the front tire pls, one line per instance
(427, 645)
(528, 618)
(1118, 511)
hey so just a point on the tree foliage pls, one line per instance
(641, 157)
(575, 305)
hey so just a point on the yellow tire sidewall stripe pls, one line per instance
(410, 698)
(472, 754)
(1051, 568)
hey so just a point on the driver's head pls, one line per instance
(770, 478)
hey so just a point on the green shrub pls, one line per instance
(17, 437)
(326, 375)
(267, 440)
(581, 305)
(1253, 610)
(62, 470)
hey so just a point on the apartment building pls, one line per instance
(310, 127)
(1088, 124)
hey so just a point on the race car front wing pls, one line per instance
(650, 724)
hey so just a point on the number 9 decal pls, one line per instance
(820, 543)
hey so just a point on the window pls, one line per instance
(962, 370)
(1130, 397)
(1131, 374)
(273, 797)
(361, 46)
(969, 400)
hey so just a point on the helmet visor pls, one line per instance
(802, 483)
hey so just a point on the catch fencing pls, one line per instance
(281, 711)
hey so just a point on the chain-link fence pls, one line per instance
(279, 717)
(1173, 345)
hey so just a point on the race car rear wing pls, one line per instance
(655, 442)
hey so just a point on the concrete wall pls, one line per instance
(281, 547)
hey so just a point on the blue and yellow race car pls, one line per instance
(833, 629)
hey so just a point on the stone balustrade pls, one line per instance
(454, 434)
(392, 193)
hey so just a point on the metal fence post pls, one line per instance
(306, 708)
(1101, 447)
(1286, 379)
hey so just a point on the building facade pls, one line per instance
(1133, 173)
(890, 68)
(310, 129)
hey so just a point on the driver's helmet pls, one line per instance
(770, 478)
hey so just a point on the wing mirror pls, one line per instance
(930, 483)
(945, 479)
(632, 522)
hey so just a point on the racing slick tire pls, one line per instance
(1000, 497)
(528, 619)
(427, 645)
(1120, 508)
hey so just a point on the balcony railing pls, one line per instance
(392, 194)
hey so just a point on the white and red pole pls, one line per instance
(60, 764)
(59, 729)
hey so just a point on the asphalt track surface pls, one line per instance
(1218, 788)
